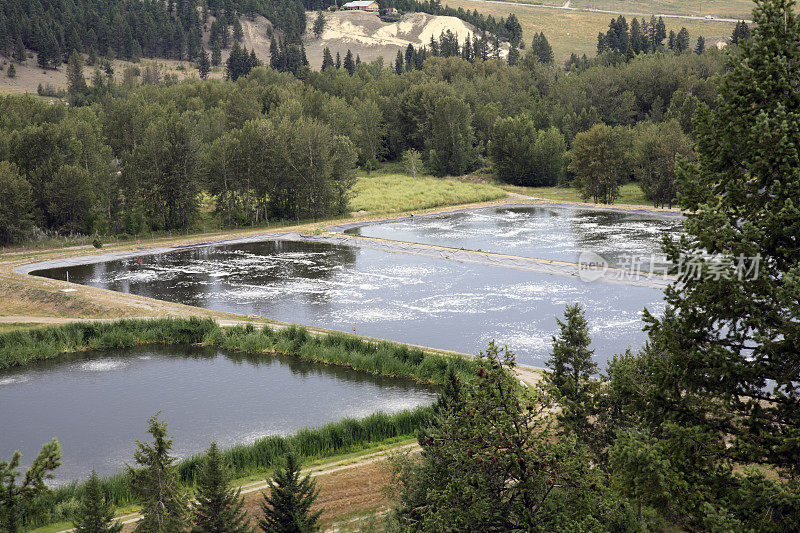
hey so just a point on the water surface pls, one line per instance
(555, 233)
(97, 403)
(404, 297)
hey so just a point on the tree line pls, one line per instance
(697, 429)
(166, 506)
(134, 156)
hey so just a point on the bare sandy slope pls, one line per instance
(366, 35)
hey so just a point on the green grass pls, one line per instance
(18, 326)
(391, 192)
(630, 193)
(24, 347)
(261, 457)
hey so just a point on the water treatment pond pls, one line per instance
(546, 232)
(97, 403)
(404, 297)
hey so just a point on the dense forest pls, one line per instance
(135, 157)
(174, 29)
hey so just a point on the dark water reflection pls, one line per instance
(408, 298)
(555, 233)
(97, 403)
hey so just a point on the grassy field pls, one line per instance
(738, 9)
(575, 31)
(391, 192)
(630, 193)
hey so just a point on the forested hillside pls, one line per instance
(172, 29)
(272, 145)
(136, 28)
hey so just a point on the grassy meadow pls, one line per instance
(630, 193)
(576, 31)
(391, 191)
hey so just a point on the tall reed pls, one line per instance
(260, 457)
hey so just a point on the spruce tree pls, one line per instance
(398, 63)
(287, 507)
(729, 341)
(216, 53)
(204, 65)
(701, 45)
(571, 367)
(12, 71)
(219, 508)
(95, 513)
(338, 60)
(155, 482)
(349, 64)
(19, 51)
(327, 59)
(571, 361)
(76, 83)
(682, 41)
(319, 24)
(15, 497)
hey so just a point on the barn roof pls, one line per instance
(359, 3)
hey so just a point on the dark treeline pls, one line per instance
(133, 29)
(274, 146)
(174, 28)
(643, 37)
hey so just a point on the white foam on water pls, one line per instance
(14, 381)
(103, 365)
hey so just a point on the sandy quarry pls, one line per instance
(366, 35)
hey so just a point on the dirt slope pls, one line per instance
(366, 35)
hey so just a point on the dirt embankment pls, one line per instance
(369, 37)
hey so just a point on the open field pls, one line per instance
(576, 31)
(390, 192)
(729, 9)
(630, 193)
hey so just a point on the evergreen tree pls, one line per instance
(19, 51)
(76, 83)
(338, 60)
(155, 482)
(327, 59)
(571, 367)
(701, 45)
(410, 57)
(349, 64)
(287, 507)
(541, 49)
(729, 342)
(682, 41)
(12, 71)
(15, 498)
(671, 40)
(398, 63)
(204, 65)
(274, 54)
(219, 508)
(238, 33)
(319, 24)
(741, 32)
(216, 53)
(95, 513)
(513, 55)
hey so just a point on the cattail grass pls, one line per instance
(260, 457)
(21, 348)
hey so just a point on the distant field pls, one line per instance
(738, 9)
(630, 193)
(576, 31)
(390, 192)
